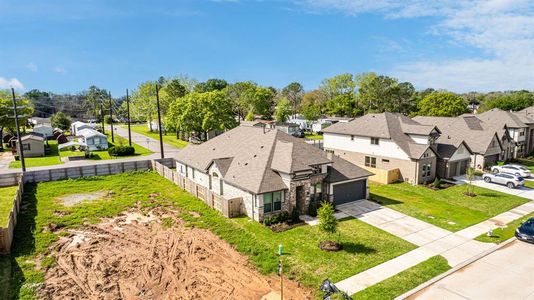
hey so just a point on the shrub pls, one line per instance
(275, 219)
(295, 215)
(312, 209)
(327, 221)
(437, 183)
(121, 151)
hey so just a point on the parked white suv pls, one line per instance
(514, 169)
(508, 179)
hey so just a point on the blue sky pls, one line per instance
(66, 46)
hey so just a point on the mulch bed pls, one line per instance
(280, 227)
(330, 246)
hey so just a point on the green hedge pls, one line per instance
(121, 151)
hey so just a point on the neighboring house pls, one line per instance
(77, 126)
(44, 129)
(154, 125)
(486, 145)
(39, 121)
(32, 144)
(322, 123)
(270, 171)
(289, 128)
(94, 140)
(520, 128)
(386, 141)
(454, 157)
(300, 121)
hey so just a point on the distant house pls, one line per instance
(322, 123)
(487, 143)
(62, 139)
(32, 145)
(77, 126)
(386, 141)
(520, 127)
(271, 171)
(39, 121)
(154, 126)
(94, 140)
(289, 128)
(300, 121)
(46, 130)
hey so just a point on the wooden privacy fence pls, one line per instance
(6, 233)
(383, 176)
(228, 207)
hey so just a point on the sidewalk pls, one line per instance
(456, 247)
(145, 141)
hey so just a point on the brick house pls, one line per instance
(270, 171)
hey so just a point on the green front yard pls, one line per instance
(449, 208)
(405, 281)
(313, 136)
(54, 158)
(169, 138)
(364, 245)
(502, 234)
(7, 194)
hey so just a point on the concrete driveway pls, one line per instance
(520, 191)
(507, 273)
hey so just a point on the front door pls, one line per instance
(301, 199)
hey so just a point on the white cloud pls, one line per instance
(60, 70)
(503, 31)
(32, 67)
(11, 83)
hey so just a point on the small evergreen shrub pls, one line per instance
(312, 209)
(275, 219)
(121, 151)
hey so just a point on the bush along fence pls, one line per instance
(6, 233)
(230, 208)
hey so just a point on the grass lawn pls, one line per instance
(502, 234)
(405, 281)
(364, 245)
(169, 138)
(7, 194)
(54, 159)
(449, 208)
(48, 160)
(313, 136)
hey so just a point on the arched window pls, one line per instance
(215, 174)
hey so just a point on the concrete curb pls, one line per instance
(454, 269)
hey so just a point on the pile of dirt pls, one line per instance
(134, 257)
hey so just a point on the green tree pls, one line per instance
(293, 92)
(237, 93)
(42, 101)
(283, 110)
(327, 220)
(514, 101)
(313, 104)
(442, 104)
(94, 97)
(211, 85)
(143, 104)
(340, 93)
(260, 101)
(61, 120)
(382, 93)
(7, 120)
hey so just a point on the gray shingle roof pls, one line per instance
(252, 158)
(387, 125)
(468, 128)
(343, 170)
(502, 118)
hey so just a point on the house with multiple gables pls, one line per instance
(270, 171)
(387, 141)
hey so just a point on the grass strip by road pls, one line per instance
(169, 138)
(364, 246)
(448, 208)
(405, 281)
(7, 194)
(502, 234)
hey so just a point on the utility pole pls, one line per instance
(159, 123)
(111, 117)
(128, 109)
(102, 116)
(21, 148)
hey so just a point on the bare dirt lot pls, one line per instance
(154, 256)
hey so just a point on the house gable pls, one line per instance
(361, 144)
